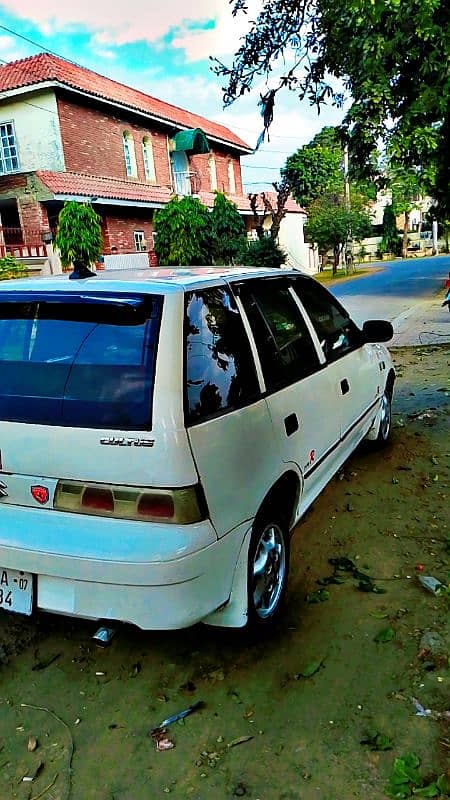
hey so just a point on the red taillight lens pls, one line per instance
(98, 499)
(182, 506)
(160, 506)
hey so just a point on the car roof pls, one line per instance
(156, 280)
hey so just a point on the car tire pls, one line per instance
(385, 428)
(268, 568)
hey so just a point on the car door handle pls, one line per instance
(291, 424)
(345, 386)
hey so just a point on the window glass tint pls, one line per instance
(220, 371)
(337, 333)
(285, 347)
(78, 361)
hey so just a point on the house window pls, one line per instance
(9, 159)
(212, 173)
(149, 162)
(231, 178)
(139, 241)
(130, 157)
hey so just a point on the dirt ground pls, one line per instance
(265, 731)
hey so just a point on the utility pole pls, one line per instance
(349, 243)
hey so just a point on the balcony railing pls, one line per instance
(186, 183)
(22, 242)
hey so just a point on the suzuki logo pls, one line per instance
(3, 488)
(41, 494)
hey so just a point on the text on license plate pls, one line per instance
(16, 591)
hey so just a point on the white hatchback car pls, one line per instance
(162, 432)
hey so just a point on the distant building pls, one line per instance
(68, 133)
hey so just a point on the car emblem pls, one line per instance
(41, 494)
(3, 488)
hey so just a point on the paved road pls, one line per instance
(399, 289)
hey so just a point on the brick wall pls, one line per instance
(93, 143)
(118, 229)
(200, 164)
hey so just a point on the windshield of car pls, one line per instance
(81, 360)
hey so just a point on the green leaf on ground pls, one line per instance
(319, 596)
(385, 635)
(427, 791)
(378, 741)
(311, 669)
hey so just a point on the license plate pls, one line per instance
(16, 591)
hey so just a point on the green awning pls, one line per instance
(193, 141)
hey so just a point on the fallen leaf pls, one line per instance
(239, 740)
(385, 635)
(32, 744)
(311, 669)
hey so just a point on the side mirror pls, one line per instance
(377, 330)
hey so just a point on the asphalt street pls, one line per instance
(407, 293)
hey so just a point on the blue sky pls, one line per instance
(163, 48)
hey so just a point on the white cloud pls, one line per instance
(137, 20)
(10, 49)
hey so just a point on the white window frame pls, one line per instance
(140, 242)
(231, 178)
(8, 148)
(148, 159)
(212, 172)
(129, 154)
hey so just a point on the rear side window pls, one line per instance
(284, 344)
(78, 360)
(220, 371)
(337, 333)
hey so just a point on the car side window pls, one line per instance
(285, 347)
(220, 370)
(337, 333)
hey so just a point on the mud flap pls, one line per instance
(234, 613)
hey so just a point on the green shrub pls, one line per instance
(10, 268)
(264, 253)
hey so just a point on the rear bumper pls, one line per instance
(158, 577)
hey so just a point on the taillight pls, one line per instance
(98, 499)
(183, 506)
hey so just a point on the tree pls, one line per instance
(316, 168)
(391, 62)
(227, 231)
(79, 237)
(183, 233)
(330, 223)
(275, 213)
(405, 187)
(390, 242)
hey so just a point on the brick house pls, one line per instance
(68, 133)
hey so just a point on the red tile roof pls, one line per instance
(48, 68)
(292, 207)
(76, 184)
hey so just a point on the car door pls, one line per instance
(299, 394)
(352, 364)
(227, 418)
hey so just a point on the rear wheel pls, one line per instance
(268, 567)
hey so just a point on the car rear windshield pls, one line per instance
(82, 360)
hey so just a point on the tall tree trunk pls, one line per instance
(405, 235)
(336, 256)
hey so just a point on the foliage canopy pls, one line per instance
(392, 62)
(79, 235)
(183, 233)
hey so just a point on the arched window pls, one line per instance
(130, 157)
(212, 173)
(231, 178)
(149, 162)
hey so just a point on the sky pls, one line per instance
(163, 47)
